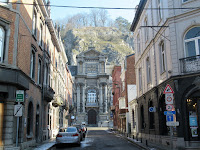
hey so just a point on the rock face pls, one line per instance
(108, 40)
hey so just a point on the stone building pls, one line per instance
(167, 52)
(92, 82)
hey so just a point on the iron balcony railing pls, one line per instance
(190, 64)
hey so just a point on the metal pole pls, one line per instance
(171, 138)
(17, 131)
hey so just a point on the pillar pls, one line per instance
(78, 99)
(83, 98)
(106, 99)
(100, 98)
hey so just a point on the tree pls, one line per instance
(103, 15)
(122, 24)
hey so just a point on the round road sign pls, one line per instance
(169, 107)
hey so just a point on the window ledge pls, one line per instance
(162, 72)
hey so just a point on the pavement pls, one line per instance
(46, 145)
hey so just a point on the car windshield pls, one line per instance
(71, 130)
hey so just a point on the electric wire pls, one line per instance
(91, 7)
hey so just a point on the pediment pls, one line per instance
(91, 53)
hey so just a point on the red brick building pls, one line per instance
(116, 91)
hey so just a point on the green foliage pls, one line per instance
(122, 24)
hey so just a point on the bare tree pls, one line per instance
(94, 14)
(103, 16)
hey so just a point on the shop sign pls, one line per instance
(193, 121)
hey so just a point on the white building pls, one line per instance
(167, 34)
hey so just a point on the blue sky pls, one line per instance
(61, 13)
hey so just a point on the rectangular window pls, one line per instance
(159, 10)
(148, 70)
(146, 30)
(32, 68)
(34, 23)
(162, 50)
(138, 44)
(39, 71)
(2, 36)
(140, 79)
(41, 36)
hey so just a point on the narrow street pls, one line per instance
(100, 140)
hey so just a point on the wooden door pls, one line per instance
(1, 121)
(92, 116)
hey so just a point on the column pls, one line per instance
(83, 97)
(106, 99)
(78, 99)
(100, 98)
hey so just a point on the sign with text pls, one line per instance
(173, 123)
(169, 112)
(19, 96)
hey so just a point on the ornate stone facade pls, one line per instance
(91, 83)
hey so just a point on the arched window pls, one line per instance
(142, 117)
(91, 96)
(2, 36)
(30, 119)
(151, 117)
(192, 42)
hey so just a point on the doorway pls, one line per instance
(92, 117)
(37, 124)
(193, 112)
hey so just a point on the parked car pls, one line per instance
(80, 130)
(68, 135)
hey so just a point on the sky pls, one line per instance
(58, 13)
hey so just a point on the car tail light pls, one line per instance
(75, 134)
(59, 135)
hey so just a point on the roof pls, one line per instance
(138, 14)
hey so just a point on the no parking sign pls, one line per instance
(169, 98)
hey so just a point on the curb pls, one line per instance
(138, 145)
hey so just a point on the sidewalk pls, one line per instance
(45, 145)
(138, 143)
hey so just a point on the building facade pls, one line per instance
(167, 49)
(92, 81)
(116, 92)
(28, 47)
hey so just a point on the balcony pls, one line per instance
(90, 104)
(58, 101)
(190, 64)
(48, 93)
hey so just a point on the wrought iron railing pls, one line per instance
(190, 64)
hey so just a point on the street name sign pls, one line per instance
(173, 123)
(169, 112)
(169, 107)
(19, 96)
(168, 89)
(18, 110)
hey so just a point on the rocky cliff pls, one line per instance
(108, 40)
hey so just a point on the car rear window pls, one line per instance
(71, 130)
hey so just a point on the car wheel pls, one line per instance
(57, 145)
(79, 143)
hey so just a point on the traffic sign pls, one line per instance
(170, 118)
(172, 123)
(18, 110)
(168, 89)
(152, 109)
(19, 96)
(169, 107)
(169, 112)
(169, 98)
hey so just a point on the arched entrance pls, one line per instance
(37, 123)
(193, 115)
(92, 117)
